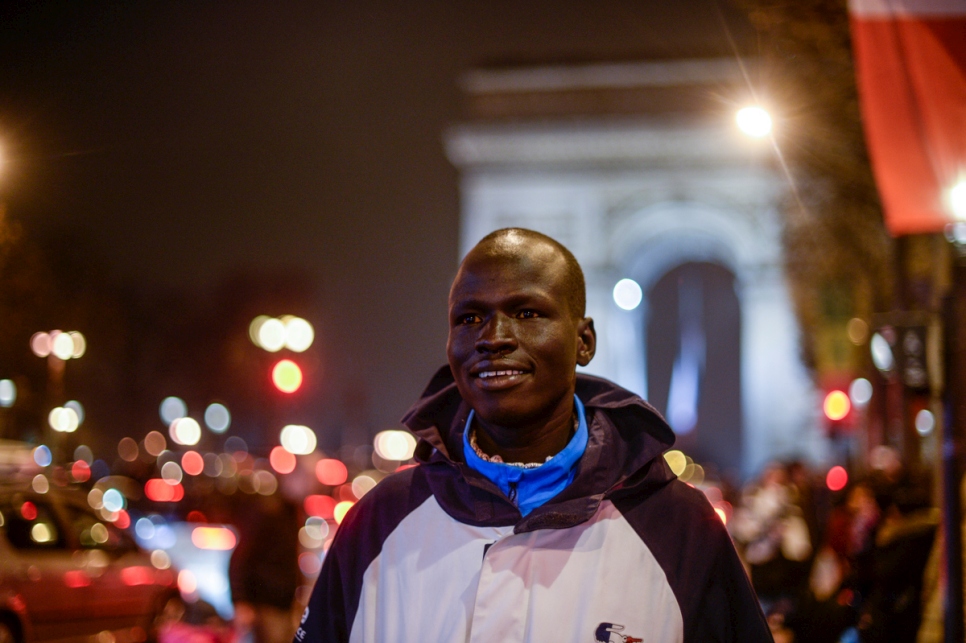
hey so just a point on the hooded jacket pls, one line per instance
(625, 553)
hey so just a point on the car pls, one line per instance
(67, 574)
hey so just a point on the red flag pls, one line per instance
(910, 60)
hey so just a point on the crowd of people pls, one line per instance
(857, 564)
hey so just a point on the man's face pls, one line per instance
(514, 342)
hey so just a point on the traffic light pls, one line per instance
(287, 376)
(837, 409)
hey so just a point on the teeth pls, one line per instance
(486, 374)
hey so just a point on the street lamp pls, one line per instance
(754, 121)
(957, 199)
(58, 347)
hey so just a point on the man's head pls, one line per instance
(517, 329)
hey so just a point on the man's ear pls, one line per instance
(586, 341)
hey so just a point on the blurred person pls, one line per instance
(774, 539)
(542, 509)
(841, 569)
(264, 569)
(802, 483)
(893, 609)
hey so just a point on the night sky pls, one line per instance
(186, 141)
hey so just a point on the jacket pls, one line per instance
(625, 553)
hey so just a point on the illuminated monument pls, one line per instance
(639, 170)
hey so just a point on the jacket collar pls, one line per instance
(627, 437)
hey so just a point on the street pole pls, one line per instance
(954, 427)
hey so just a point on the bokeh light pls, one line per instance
(881, 352)
(172, 408)
(754, 121)
(83, 452)
(264, 482)
(217, 417)
(113, 500)
(837, 478)
(957, 199)
(40, 484)
(255, 326)
(271, 335)
(187, 584)
(127, 448)
(628, 294)
(676, 461)
(192, 463)
(8, 393)
(79, 344)
(213, 538)
(340, 510)
(63, 420)
(40, 344)
(144, 528)
(857, 330)
(836, 405)
(154, 443)
(42, 455)
(123, 519)
(171, 473)
(320, 506)
(394, 444)
(298, 439)
(213, 465)
(331, 472)
(80, 471)
(362, 484)
(158, 490)
(860, 392)
(61, 345)
(309, 564)
(299, 334)
(160, 559)
(287, 376)
(282, 460)
(925, 422)
(185, 431)
(77, 408)
(95, 498)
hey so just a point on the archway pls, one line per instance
(693, 348)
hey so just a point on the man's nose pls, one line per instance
(496, 336)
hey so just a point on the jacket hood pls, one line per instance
(626, 438)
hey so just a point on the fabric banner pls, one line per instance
(910, 59)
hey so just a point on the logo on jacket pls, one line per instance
(611, 633)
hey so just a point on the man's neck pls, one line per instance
(527, 444)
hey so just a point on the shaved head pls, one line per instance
(512, 243)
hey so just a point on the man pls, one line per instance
(542, 509)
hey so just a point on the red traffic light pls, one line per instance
(287, 376)
(837, 405)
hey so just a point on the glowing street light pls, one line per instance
(754, 121)
(274, 334)
(957, 199)
(63, 346)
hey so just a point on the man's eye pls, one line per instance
(528, 314)
(466, 319)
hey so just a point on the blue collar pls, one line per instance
(530, 488)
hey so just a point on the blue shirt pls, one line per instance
(530, 488)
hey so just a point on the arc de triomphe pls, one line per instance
(637, 197)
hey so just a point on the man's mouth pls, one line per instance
(499, 379)
(488, 374)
